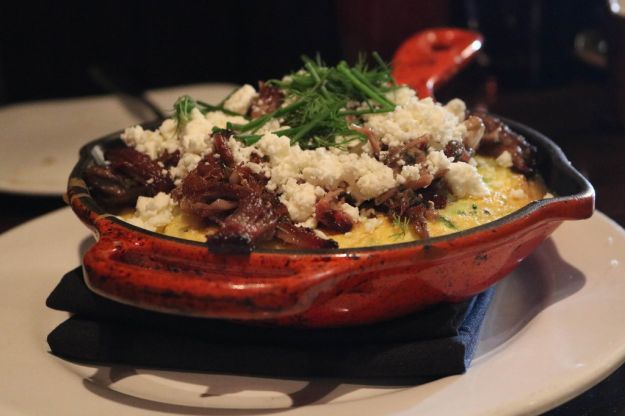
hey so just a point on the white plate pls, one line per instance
(39, 141)
(555, 328)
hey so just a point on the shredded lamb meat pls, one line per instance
(269, 99)
(127, 175)
(235, 198)
(416, 205)
(498, 138)
(328, 213)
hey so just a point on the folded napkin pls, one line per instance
(435, 342)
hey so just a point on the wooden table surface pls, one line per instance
(573, 118)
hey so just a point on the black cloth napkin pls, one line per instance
(435, 342)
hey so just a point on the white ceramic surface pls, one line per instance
(39, 141)
(555, 328)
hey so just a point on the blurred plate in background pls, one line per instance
(39, 141)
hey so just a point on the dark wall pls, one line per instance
(66, 48)
(52, 48)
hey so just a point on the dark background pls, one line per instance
(529, 70)
(51, 48)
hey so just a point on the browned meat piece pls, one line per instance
(204, 192)
(381, 199)
(220, 145)
(139, 167)
(373, 140)
(259, 217)
(235, 198)
(417, 215)
(475, 130)
(458, 151)
(248, 178)
(111, 190)
(330, 215)
(128, 175)
(254, 220)
(302, 237)
(269, 99)
(498, 138)
(418, 205)
(436, 193)
(169, 159)
(208, 174)
(213, 210)
(412, 152)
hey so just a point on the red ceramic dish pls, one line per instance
(320, 288)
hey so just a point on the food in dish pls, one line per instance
(325, 157)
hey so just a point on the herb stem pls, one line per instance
(259, 122)
(362, 84)
(204, 107)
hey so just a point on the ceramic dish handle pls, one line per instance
(427, 59)
(160, 273)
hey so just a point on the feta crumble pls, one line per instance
(241, 100)
(153, 213)
(504, 159)
(414, 118)
(464, 180)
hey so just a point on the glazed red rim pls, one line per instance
(561, 178)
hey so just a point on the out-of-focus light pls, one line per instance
(617, 7)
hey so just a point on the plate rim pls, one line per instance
(550, 400)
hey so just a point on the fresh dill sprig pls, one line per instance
(325, 102)
(447, 222)
(401, 224)
(183, 109)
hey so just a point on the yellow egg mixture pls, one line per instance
(509, 192)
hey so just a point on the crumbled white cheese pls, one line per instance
(271, 126)
(186, 164)
(241, 100)
(416, 118)
(518, 194)
(457, 107)
(411, 172)
(351, 211)
(153, 213)
(151, 143)
(300, 199)
(371, 224)
(195, 137)
(240, 152)
(437, 162)
(401, 96)
(504, 159)
(363, 176)
(464, 180)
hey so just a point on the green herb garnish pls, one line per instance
(325, 102)
(401, 224)
(183, 108)
(448, 223)
(182, 111)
